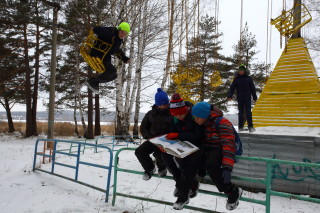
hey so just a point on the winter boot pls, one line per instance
(183, 199)
(148, 175)
(94, 84)
(233, 198)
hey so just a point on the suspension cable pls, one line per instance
(267, 45)
(240, 43)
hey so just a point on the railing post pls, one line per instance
(35, 155)
(268, 186)
(115, 171)
(53, 155)
(77, 164)
(109, 176)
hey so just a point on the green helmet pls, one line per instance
(124, 26)
(242, 67)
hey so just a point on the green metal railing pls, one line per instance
(267, 181)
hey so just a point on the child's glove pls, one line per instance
(172, 135)
(226, 176)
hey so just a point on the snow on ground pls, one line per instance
(296, 131)
(22, 190)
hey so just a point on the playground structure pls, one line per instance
(287, 24)
(291, 96)
(94, 62)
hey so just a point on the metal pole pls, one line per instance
(297, 17)
(53, 74)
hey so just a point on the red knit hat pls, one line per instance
(177, 105)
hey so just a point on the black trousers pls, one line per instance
(171, 166)
(143, 153)
(244, 107)
(212, 160)
(184, 170)
(109, 74)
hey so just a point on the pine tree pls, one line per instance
(10, 83)
(245, 53)
(202, 73)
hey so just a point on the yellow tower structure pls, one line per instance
(291, 96)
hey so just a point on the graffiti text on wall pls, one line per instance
(295, 173)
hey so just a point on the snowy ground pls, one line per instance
(22, 190)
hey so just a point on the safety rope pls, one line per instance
(240, 43)
(267, 46)
(216, 32)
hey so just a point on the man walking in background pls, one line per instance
(245, 89)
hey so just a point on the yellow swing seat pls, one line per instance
(89, 43)
(287, 25)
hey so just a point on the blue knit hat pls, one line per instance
(161, 98)
(201, 110)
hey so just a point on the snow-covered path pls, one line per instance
(22, 190)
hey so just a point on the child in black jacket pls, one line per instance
(184, 170)
(156, 122)
(113, 36)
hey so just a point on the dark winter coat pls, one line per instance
(155, 123)
(244, 86)
(223, 138)
(110, 36)
(187, 129)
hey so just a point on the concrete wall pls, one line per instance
(286, 178)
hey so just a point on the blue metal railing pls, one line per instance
(117, 140)
(78, 162)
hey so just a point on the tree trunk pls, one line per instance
(78, 89)
(29, 124)
(9, 117)
(168, 61)
(36, 79)
(121, 124)
(90, 115)
(97, 126)
(76, 131)
(139, 62)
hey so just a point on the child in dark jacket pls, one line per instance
(183, 128)
(219, 150)
(156, 122)
(113, 36)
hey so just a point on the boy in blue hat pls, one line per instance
(155, 123)
(219, 148)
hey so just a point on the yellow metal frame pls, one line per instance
(94, 62)
(285, 23)
(291, 96)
